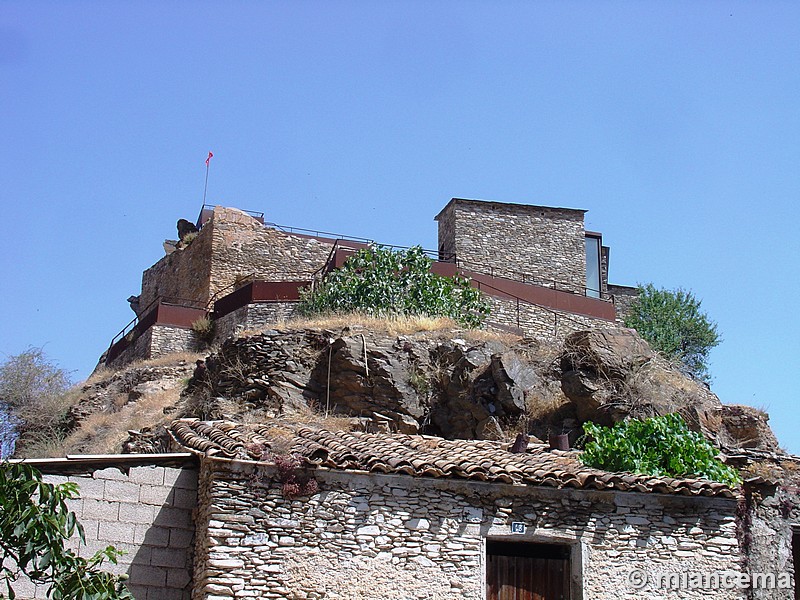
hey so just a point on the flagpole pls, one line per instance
(205, 188)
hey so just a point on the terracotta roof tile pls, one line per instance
(425, 456)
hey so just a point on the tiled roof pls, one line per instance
(426, 456)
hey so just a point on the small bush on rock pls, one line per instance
(661, 446)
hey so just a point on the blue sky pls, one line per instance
(676, 124)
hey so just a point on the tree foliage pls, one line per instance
(672, 322)
(382, 282)
(32, 399)
(35, 524)
(662, 446)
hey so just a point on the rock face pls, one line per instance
(121, 388)
(453, 384)
(610, 375)
(428, 383)
(596, 366)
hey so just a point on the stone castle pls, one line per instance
(543, 272)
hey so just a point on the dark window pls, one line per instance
(527, 571)
(593, 266)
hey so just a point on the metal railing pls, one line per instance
(318, 233)
(145, 313)
(482, 268)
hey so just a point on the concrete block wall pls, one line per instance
(147, 512)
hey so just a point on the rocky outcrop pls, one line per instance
(610, 375)
(425, 382)
(109, 394)
(453, 384)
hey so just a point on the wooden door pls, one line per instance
(523, 571)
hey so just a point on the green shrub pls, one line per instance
(662, 446)
(384, 283)
(672, 322)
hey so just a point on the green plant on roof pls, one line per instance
(661, 446)
(385, 283)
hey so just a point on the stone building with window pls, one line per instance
(544, 274)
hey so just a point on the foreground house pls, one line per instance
(362, 515)
(397, 516)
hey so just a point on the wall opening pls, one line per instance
(527, 571)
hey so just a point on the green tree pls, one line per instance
(661, 446)
(33, 402)
(381, 282)
(672, 322)
(35, 524)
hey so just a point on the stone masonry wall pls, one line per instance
(623, 296)
(159, 340)
(253, 316)
(230, 246)
(771, 515)
(447, 234)
(182, 274)
(243, 246)
(540, 323)
(545, 244)
(397, 537)
(147, 513)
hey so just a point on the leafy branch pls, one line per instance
(35, 524)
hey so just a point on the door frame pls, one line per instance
(576, 556)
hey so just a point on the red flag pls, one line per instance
(209, 157)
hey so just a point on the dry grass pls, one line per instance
(392, 325)
(168, 360)
(544, 403)
(491, 335)
(103, 373)
(104, 433)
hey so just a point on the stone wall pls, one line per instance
(159, 340)
(393, 537)
(147, 513)
(770, 516)
(622, 296)
(231, 246)
(546, 244)
(182, 275)
(541, 323)
(253, 317)
(243, 246)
